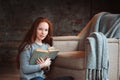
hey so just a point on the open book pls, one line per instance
(51, 53)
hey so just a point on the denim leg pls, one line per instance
(37, 78)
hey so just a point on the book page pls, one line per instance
(51, 53)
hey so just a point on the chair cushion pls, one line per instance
(70, 60)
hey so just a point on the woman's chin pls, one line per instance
(42, 38)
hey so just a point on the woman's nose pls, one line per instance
(43, 32)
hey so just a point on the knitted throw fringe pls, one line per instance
(94, 74)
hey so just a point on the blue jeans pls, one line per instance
(37, 78)
(58, 78)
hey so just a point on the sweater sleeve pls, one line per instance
(24, 63)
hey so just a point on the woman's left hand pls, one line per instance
(40, 60)
(43, 63)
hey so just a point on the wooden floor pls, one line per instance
(9, 77)
(8, 72)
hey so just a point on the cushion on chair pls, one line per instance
(70, 60)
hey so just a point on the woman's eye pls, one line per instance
(39, 28)
(46, 29)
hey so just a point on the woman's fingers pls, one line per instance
(46, 62)
(40, 60)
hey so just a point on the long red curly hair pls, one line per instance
(30, 37)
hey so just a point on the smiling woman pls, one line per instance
(39, 36)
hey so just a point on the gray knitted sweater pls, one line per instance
(28, 71)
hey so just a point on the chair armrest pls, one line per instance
(66, 43)
(74, 60)
(72, 54)
(65, 38)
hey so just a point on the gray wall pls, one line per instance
(68, 17)
(17, 16)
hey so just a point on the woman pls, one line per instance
(39, 36)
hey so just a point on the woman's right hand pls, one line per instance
(43, 63)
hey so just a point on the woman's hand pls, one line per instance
(43, 63)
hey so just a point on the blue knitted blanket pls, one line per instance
(107, 23)
(103, 25)
(97, 57)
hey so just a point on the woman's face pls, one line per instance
(42, 31)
